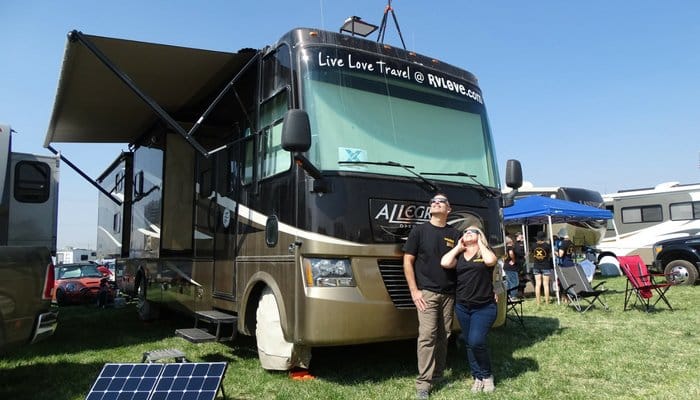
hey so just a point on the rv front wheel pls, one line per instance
(681, 272)
(274, 352)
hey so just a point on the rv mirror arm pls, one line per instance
(508, 199)
(320, 184)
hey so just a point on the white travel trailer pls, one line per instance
(645, 216)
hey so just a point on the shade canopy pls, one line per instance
(539, 209)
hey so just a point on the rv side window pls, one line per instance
(633, 215)
(117, 223)
(276, 71)
(275, 159)
(32, 182)
(685, 211)
(119, 182)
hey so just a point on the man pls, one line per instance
(432, 290)
(566, 252)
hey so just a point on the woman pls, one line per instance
(512, 269)
(542, 268)
(475, 301)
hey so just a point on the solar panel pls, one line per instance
(176, 381)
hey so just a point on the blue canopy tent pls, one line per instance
(546, 210)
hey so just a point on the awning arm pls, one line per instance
(78, 36)
(85, 176)
(220, 96)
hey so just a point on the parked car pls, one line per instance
(679, 259)
(79, 283)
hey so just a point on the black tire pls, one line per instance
(681, 272)
(60, 297)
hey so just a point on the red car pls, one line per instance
(78, 283)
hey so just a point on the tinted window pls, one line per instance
(632, 215)
(32, 182)
(685, 211)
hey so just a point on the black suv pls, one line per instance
(679, 259)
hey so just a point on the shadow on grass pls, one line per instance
(62, 380)
(349, 365)
(85, 327)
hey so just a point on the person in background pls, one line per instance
(475, 301)
(512, 269)
(566, 252)
(542, 268)
(519, 250)
(432, 291)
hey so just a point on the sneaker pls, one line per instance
(422, 394)
(478, 386)
(488, 385)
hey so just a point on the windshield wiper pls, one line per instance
(486, 189)
(408, 168)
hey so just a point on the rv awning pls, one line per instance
(93, 105)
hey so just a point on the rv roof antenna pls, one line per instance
(382, 26)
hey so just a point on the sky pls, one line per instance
(596, 94)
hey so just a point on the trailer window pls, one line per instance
(32, 182)
(685, 211)
(631, 215)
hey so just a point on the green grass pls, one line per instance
(561, 354)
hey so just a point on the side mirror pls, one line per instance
(514, 180)
(296, 131)
(514, 174)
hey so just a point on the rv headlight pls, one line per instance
(328, 272)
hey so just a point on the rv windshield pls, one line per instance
(366, 109)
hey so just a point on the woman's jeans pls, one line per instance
(476, 323)
(512, 281)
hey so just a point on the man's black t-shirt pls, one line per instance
(567, 247)
(475, 287)
(428, 243)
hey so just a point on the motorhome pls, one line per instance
(581, 233)
(645, 216)
(277, 186)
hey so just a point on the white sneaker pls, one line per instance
(478, 386)
(487, 384)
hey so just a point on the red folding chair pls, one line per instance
(641, 284)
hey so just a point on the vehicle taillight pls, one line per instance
(49, 281)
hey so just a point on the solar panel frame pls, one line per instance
(158, 381)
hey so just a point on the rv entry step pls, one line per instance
(197, 335)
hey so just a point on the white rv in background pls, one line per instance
(71, 255)
(642, 217)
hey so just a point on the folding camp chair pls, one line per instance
(641, 284)
(514, 306)
(577, 288)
